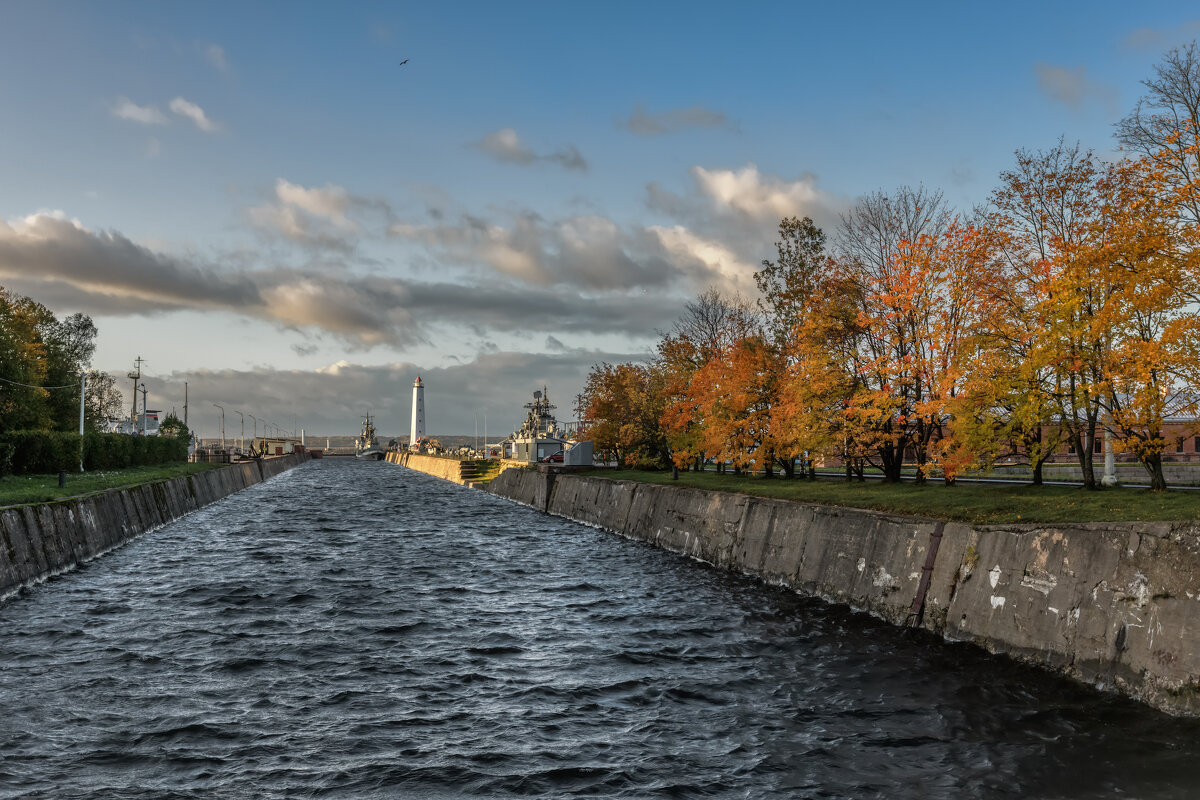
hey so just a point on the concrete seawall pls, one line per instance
(449, 469)
(1116, 605)
(464, 472)
(37, 541)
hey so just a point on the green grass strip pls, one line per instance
(19, 490)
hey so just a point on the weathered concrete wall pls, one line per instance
(41, 540)
(1115, 605)
(448, 469)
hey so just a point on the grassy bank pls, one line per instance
(26, 489)
(983, 504)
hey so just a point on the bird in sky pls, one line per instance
(402, 63)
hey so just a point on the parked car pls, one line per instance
(554, 457)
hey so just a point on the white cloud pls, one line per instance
(215, 54)
(317, 216)
(707, 262)
(767, 198)
(589, 252)
(126, 109)
(327, 201)
(186, 108)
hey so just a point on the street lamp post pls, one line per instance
(218, 405)
(242, 437)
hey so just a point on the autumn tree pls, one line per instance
(874, 239)
(708, 328)
(736, 394)
(1150, 267)
(1048, 211)
(620, 409)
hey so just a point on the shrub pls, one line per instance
(42, 452)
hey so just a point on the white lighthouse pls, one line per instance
(418, 413)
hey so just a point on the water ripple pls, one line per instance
(356, 630)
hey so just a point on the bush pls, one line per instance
(44, 452)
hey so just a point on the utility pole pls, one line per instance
(185, 405)
(82, 394)
(222, 426)
(144, 407)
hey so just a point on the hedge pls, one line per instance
(43, 452)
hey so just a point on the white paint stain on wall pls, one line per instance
(997, 602)
(882, 578)
(994, 575)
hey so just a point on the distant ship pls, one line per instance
(365, 446)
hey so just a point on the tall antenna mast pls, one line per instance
(136, 376)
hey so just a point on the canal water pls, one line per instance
(358, 630)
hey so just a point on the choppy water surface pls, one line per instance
(359, 630)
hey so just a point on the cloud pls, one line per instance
(195, 113)
(1159, 38)
(590, 252)
(49, 248)
(644, 123)
(505, 145)
(727, 220)
(215, 55)
(126, 109)
(318, 217)
(1070, 86)
(737, 206)
(738, 211)
(305, 349)
(66, 265)
(709, 262)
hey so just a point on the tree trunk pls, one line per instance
(1037, 471)
(1154, 465)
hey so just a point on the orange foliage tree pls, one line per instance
(620, 411)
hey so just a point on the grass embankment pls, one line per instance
(17, 490)
(981, 504)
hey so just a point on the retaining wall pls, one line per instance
(37, 541)
(1116, 605)
(455, 470)
(449, 469)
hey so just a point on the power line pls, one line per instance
(30, 386)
